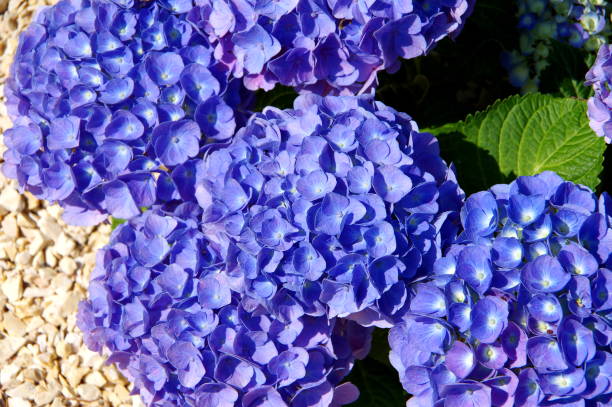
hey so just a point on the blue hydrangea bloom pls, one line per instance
(164, 308)
(325, 46)
(104, 95)
(600, 104)
(517, 311)
(330, 208)
(579, 23)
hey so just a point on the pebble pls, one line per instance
(11, 200)
(9, 226)
(49, 227)
(95, 378)
(12, 287)
(67, 265)
(88, 392)
(18, 402)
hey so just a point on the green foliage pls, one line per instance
(459, 76)
(378, 384)
(565, 73)
(523, 135)
(281, 97)
(115, 222)
(380, 346)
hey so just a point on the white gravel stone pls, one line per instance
(9, 226)
(12, 287)
(11, 200)
(18, 402)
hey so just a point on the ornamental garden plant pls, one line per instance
(287, 235)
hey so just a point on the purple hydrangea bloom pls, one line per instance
(517, 310)
(104, 95)
(162, 304)
(326, 46)
(600, 104)
(330, 208)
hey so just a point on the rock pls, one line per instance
(7, 374)
(11, 200)
(18, 402)
(33, 203)
(50, 258)
(61, 283)
(74, 374)
(24, 390)
(96, 379)
(43, 397)
(13, 325)
(71, 303)
(64, 245)
(88, 392)
(67, 265)
(9, 226)
(36, 244)
(49, 227)
(13, 287)
(23, 258)
(9, 346)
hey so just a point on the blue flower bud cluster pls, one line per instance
(600, 104)
(579, 23)
(105, 96)
(329, 208)
(517, 311)
(175, 323)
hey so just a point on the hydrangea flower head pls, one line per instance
(517, 311)
(326, 46)
(104, 95)
(161, 303)
(600, 104)
(329, 207)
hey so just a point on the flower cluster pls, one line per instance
(330, 207)
(516, 313)
(106, 94)
(176, 325)
(325, 46)
(579, 23)
(600, 104)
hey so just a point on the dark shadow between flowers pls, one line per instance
(377, 380)
(459, 76)
(476, 168)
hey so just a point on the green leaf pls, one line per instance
(575, 88)
(378, 385)
(523, 135)
(564, 75)
(115, 222)
(281, 97)
(380, 346)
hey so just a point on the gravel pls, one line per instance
(44, 270)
